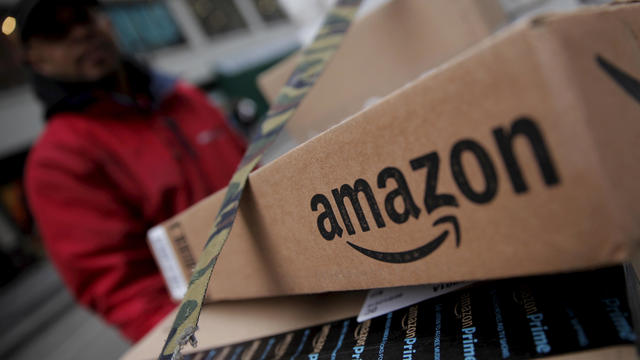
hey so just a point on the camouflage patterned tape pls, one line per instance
(313, 61)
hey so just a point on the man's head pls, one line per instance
(67, 40)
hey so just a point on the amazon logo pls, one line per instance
(335, 218)
(331, 226)
(627, 82)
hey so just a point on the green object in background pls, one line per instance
(241, 84)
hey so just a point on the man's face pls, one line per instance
(82, 50)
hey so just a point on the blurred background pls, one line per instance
(218, 45)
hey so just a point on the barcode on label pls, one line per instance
(167, 261)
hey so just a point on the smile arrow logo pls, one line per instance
(627, 82)
(417, 253)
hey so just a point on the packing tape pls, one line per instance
(313, 61)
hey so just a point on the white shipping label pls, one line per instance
(167, 261)
(385, 300)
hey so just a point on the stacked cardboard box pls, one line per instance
(375, 45)
(569, 316)
(518, 157)
(382, 52)
(582, 316)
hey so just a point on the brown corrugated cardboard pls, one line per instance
(525, 148)
(382, 52)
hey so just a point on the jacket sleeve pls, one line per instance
(96, 240)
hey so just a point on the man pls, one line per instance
(124, 149)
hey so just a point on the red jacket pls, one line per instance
(99, 178)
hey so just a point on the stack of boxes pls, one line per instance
(515, 157)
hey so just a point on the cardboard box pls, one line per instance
(382, 52)
(574, 316)
(526, 150)
(230, 322)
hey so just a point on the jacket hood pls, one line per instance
(58, 96)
